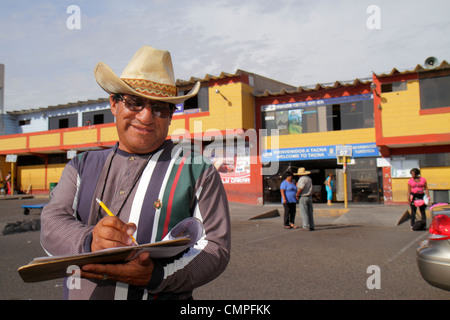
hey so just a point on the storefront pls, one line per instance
(303, 129)
(364, 177)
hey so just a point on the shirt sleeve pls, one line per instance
(423, 181)
(301, 183)
(208, 258)
(410, 182)
(61, 232)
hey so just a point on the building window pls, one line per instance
(295, 121)
(434, 92)
(331, 117)
(200, 101)
(352, 115)
(334, 117)
(24, 122)
(430, 159)
(310, 120)
(63, 123)
(282, 121)
(394, 86)
(356, 115)
(268, 120)
(401, 167)
(98, 119)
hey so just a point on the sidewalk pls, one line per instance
(354, 214)
(18, 197)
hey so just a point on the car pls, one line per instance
(433, 254)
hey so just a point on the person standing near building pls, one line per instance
(288, 191)
(304, 195)
(8, 182)
(417, 188)
(329, 188)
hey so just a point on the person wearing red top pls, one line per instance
(417, 188)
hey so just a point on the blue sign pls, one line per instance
(317, 153)
(179, 109)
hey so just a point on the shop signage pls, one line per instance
(11, 158)
(318, 152)
(344, 151)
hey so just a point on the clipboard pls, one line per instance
(50, 268)
(184, 235)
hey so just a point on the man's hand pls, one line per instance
(111, 232)
(137, 272)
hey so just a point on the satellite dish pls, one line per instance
(431, 63)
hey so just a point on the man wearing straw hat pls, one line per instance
(304, 196)
(149, 184)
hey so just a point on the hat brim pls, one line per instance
(111, 83)
(302, 174)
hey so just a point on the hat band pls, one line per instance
(152, 89)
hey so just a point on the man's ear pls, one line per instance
(112, 103)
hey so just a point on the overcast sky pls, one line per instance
(293, 41)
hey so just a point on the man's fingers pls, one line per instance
(137, 272)
(111, 232)
(144, 258)
(129, 228)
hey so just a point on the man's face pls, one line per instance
(139, 131)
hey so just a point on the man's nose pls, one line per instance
(146, 116)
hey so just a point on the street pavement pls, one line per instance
(260, 226)
(354, 214)
(365, 214)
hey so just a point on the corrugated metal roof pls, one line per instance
(224, 75)
(207, 77)
(419, 68)
(314, 87)
(59, 106)
(318, 86)
(290, 89)
(179, 83)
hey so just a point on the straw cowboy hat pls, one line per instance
(302, 172)
(149, 75)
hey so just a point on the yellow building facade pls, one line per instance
(229, 108)
(389, 121)
(412, 122)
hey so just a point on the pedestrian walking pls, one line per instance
(417, 190)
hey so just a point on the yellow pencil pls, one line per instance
(110, 213)
(105, 207)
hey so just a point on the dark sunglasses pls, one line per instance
(137, 104)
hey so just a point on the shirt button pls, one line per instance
(131, 159)
(121, 192)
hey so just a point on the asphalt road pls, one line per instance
(268, 262)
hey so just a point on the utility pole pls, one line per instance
(344, 152)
